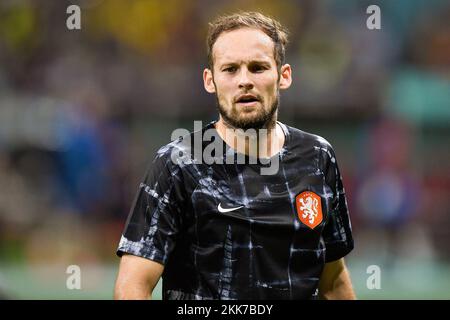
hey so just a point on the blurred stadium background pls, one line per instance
(82, 113)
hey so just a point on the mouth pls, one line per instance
(247, 100)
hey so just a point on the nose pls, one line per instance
(244, 80)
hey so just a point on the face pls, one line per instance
(245, 78)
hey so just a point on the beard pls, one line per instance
(263, 118)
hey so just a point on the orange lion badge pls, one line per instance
(309, 208)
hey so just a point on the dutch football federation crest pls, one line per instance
(309, 208)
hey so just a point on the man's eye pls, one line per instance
(258, 69)
(230, 69)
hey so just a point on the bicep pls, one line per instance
(335, 282)
(337, 232)
(137, 277)
(331, 272)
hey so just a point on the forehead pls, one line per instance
(244, 44)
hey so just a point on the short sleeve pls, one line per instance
(337, 233)
(155, 218)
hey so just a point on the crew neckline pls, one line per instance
(252, 159)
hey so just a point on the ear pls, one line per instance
(208, 81)
(285, 76)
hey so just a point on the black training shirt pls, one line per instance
(226, 231)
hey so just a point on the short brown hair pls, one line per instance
(269, 26)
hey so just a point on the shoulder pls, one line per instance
(180, 151)
(309, 142)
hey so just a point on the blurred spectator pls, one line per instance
(390, 193)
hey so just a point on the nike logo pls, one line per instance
(227, 210)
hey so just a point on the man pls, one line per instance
(225, 230)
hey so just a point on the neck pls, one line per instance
(258, 143)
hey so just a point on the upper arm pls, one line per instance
(137, 277)
(335, 281)
(156, 216)
(330, 273)
(152, 227)
(337, 232)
